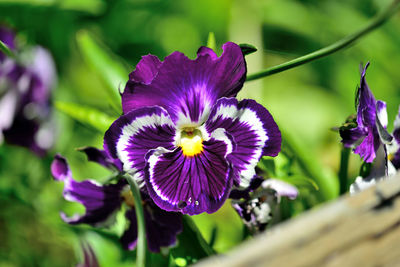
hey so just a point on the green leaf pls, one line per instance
(211, 43)
(311, 167)
(300, 181)
(191, 244)
(94, 7)
(247, 49)
(105, 64)
(86, 115)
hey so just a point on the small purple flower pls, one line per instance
(259, 206)
(185, 136)
(371, 121)
(102, 202)
(24, 97)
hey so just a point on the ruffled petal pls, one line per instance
(188, 89)
(368, 147)
(190, 184)
(100, 201)
(162, 227)
(366, 109)
(132, 135)
(101, 157)
(254, 131)
(146, 69)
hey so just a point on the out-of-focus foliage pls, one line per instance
(97, 43)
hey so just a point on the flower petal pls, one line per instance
(132, 135)
(281, 188)
(190, 184)
(394, 148)
(253, 130)
(100, 201)
(368, 147)
(366, 109)
(146, 69)
(382, 113)
(162, 227)
(188, 89)
(101, 157)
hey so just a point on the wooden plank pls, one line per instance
(361, 230)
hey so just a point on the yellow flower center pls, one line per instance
(390, 156)
(191, 142)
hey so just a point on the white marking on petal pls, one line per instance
(382, 113)
(131, 130)
(249, 117)
(152, 161)
(219, 134)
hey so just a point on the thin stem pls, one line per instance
(141, 238)
(343, 43)
(344, 166)
(4, 48)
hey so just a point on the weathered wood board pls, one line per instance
(360, 230)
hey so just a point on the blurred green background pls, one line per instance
(306, 101)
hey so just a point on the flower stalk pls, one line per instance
(141, 239)
(380, 19)
(344, 166)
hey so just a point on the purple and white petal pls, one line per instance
(254, 131)
(132, 135)
(281, 188)
(188, 89)
(394, 148)
(100, 201)
(190, 184)
(382, 113)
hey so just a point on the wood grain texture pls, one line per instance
(360, 230)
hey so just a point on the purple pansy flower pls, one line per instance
(371, 121)
(183, 134)
(24, 97)
(258, 206)
(102, 202)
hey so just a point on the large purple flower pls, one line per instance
(24, 97)
(184, 135)
(102, 202)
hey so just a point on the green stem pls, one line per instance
(346, 41)
(141, 238)
(344, 166)
(4, 48)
